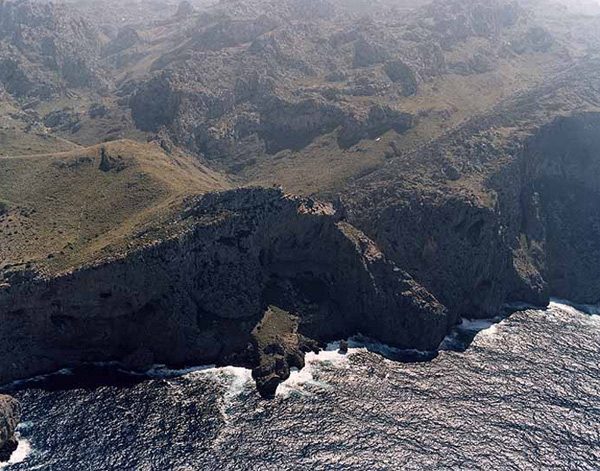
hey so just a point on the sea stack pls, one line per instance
(10, 415)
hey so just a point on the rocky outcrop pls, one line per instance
(64, 119)
(10, 415)
(200, 297)
(231, 33)
(46, 47)
(378, 121)
(479, 63)
(127, 37)
(207, 124)
(399, 72)
(293, 125)
(367, 54)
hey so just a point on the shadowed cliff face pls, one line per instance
(562, 205)
(198, 298)
(532, 232)
(453, 245)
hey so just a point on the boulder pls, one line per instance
(367, 54)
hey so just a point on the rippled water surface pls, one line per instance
(525, 395)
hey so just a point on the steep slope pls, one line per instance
(62, 209)
(504, 208)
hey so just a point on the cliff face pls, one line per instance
(517, 223)
(198, 298)
(561, 217)
(452, 244)
(258, 278)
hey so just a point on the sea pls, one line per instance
(521, 392)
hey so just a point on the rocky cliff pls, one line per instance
(201, 297)
(257, 278)
(459, 141)
(503, 209)
(561, 214)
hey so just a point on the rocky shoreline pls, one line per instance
(449, 203)
(258, 278)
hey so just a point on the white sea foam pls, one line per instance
(20, 454)
(481, 326)
(299, 380)
(237, 378)
(162, 372)
(590, 311)
(565, 305)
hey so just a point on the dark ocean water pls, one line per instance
(524, 395)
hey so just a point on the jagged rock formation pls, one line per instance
(10, 415)
(45, 48)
